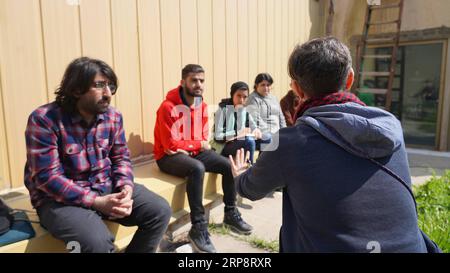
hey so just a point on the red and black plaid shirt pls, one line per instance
(71, 163)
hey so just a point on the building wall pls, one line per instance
(421, 21)
(147, 42)
(417, 14)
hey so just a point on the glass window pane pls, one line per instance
(421, 83)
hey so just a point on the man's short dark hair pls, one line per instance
(320, 66)
(78, 78)
(263, 77)
(191, 68)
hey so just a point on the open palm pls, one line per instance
(241, 164)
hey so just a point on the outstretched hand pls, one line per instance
(241, 164)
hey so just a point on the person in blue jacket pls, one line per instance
(337, 194)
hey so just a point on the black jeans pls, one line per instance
(194, 169)
(151, 213)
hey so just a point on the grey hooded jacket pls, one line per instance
(335, 199)
(266, 112)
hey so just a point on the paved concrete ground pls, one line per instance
(423, 164)
(265, 215)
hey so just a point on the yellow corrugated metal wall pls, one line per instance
(147, 42)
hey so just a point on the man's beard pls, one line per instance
(103, 108)
(100, 106)
(192, 93)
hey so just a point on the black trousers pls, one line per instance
(85, 227)
(194, 169)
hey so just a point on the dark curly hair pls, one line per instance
(78, 78)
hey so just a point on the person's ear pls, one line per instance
(350, 79)
(298, 90)
(182, 82)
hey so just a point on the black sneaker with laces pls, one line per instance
(199, 238)
(233, 219)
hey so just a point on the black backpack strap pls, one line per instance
(247, 120)
(224, 125)
(396, 177)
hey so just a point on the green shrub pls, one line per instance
(433, 205)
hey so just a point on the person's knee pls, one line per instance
(154, 210)
(198, 170)
(250, 144)
(266, 137)
(226, 167)
(96, 242)
(164, 212)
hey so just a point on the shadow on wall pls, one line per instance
(138, 147)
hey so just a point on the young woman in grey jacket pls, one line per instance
(265, 108)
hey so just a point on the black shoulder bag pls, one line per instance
(6, 218)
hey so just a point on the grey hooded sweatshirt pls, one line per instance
(266, 111)
(335, 199)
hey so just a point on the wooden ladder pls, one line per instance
(386, 41)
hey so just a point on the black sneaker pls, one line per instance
(199, 238)
(233, 219)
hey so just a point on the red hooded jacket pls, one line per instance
(179, 126)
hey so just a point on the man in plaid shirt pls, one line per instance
(78, 168)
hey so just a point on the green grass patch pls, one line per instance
(219, 229)
(433, 205)
(271, 246)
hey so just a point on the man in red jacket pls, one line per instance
(182, 149)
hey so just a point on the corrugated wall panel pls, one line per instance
(263, 38)
(95, 21)
(231, 44)
(171, 43)
(62, 40)
(270, 39)
(23, 75)
(281, 90)
(151, 74)
(243, 40)
(96, 32)
(189, 34)
(126, 60)
(278, 48)
(5, 178)
(253, 42)
(205, 48)
(219, 50)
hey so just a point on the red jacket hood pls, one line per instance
(174, 96)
